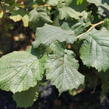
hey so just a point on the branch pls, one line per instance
(91, 28)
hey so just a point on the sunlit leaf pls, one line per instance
(1, 13)
(62, 69)
(95, 49)
(16, 18)
(48, 34)
(25, 20)
(19, 71)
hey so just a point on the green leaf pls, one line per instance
(94, 51)
(25, 20)
(42, 61)
(36, 16)
(59, 2)
(79, 7)
(20, 14)
(48, 34)
(80, 27)
(106, 24)
(19, 71)
(41, 55)
(26, 98)
(54, 2)
(16, 18)
(102, 3)
(20, 11)
(33, 15)
(66, 12)
(62, 69)
(79, 2)
(10, 2)
(1, 14)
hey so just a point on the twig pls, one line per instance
(93, 26)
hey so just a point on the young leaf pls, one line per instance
(16, 18)
(26, 98)
(1, 13)
(48, 34)
(19, 71)
(62, 70)
(66, 12)
(35, 16)
(94, 51)
(79, 2)
(25, 20)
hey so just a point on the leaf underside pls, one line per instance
(19, 71)
(62, 71)
(95, 49)
(48, 34)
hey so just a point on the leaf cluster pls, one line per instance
(71, 48)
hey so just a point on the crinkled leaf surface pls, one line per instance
(95, 49)
(19, 71)
(35, 16)
(80, 27)
(48, 34)
(62, 70)
(26, 98)
(66, 12)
